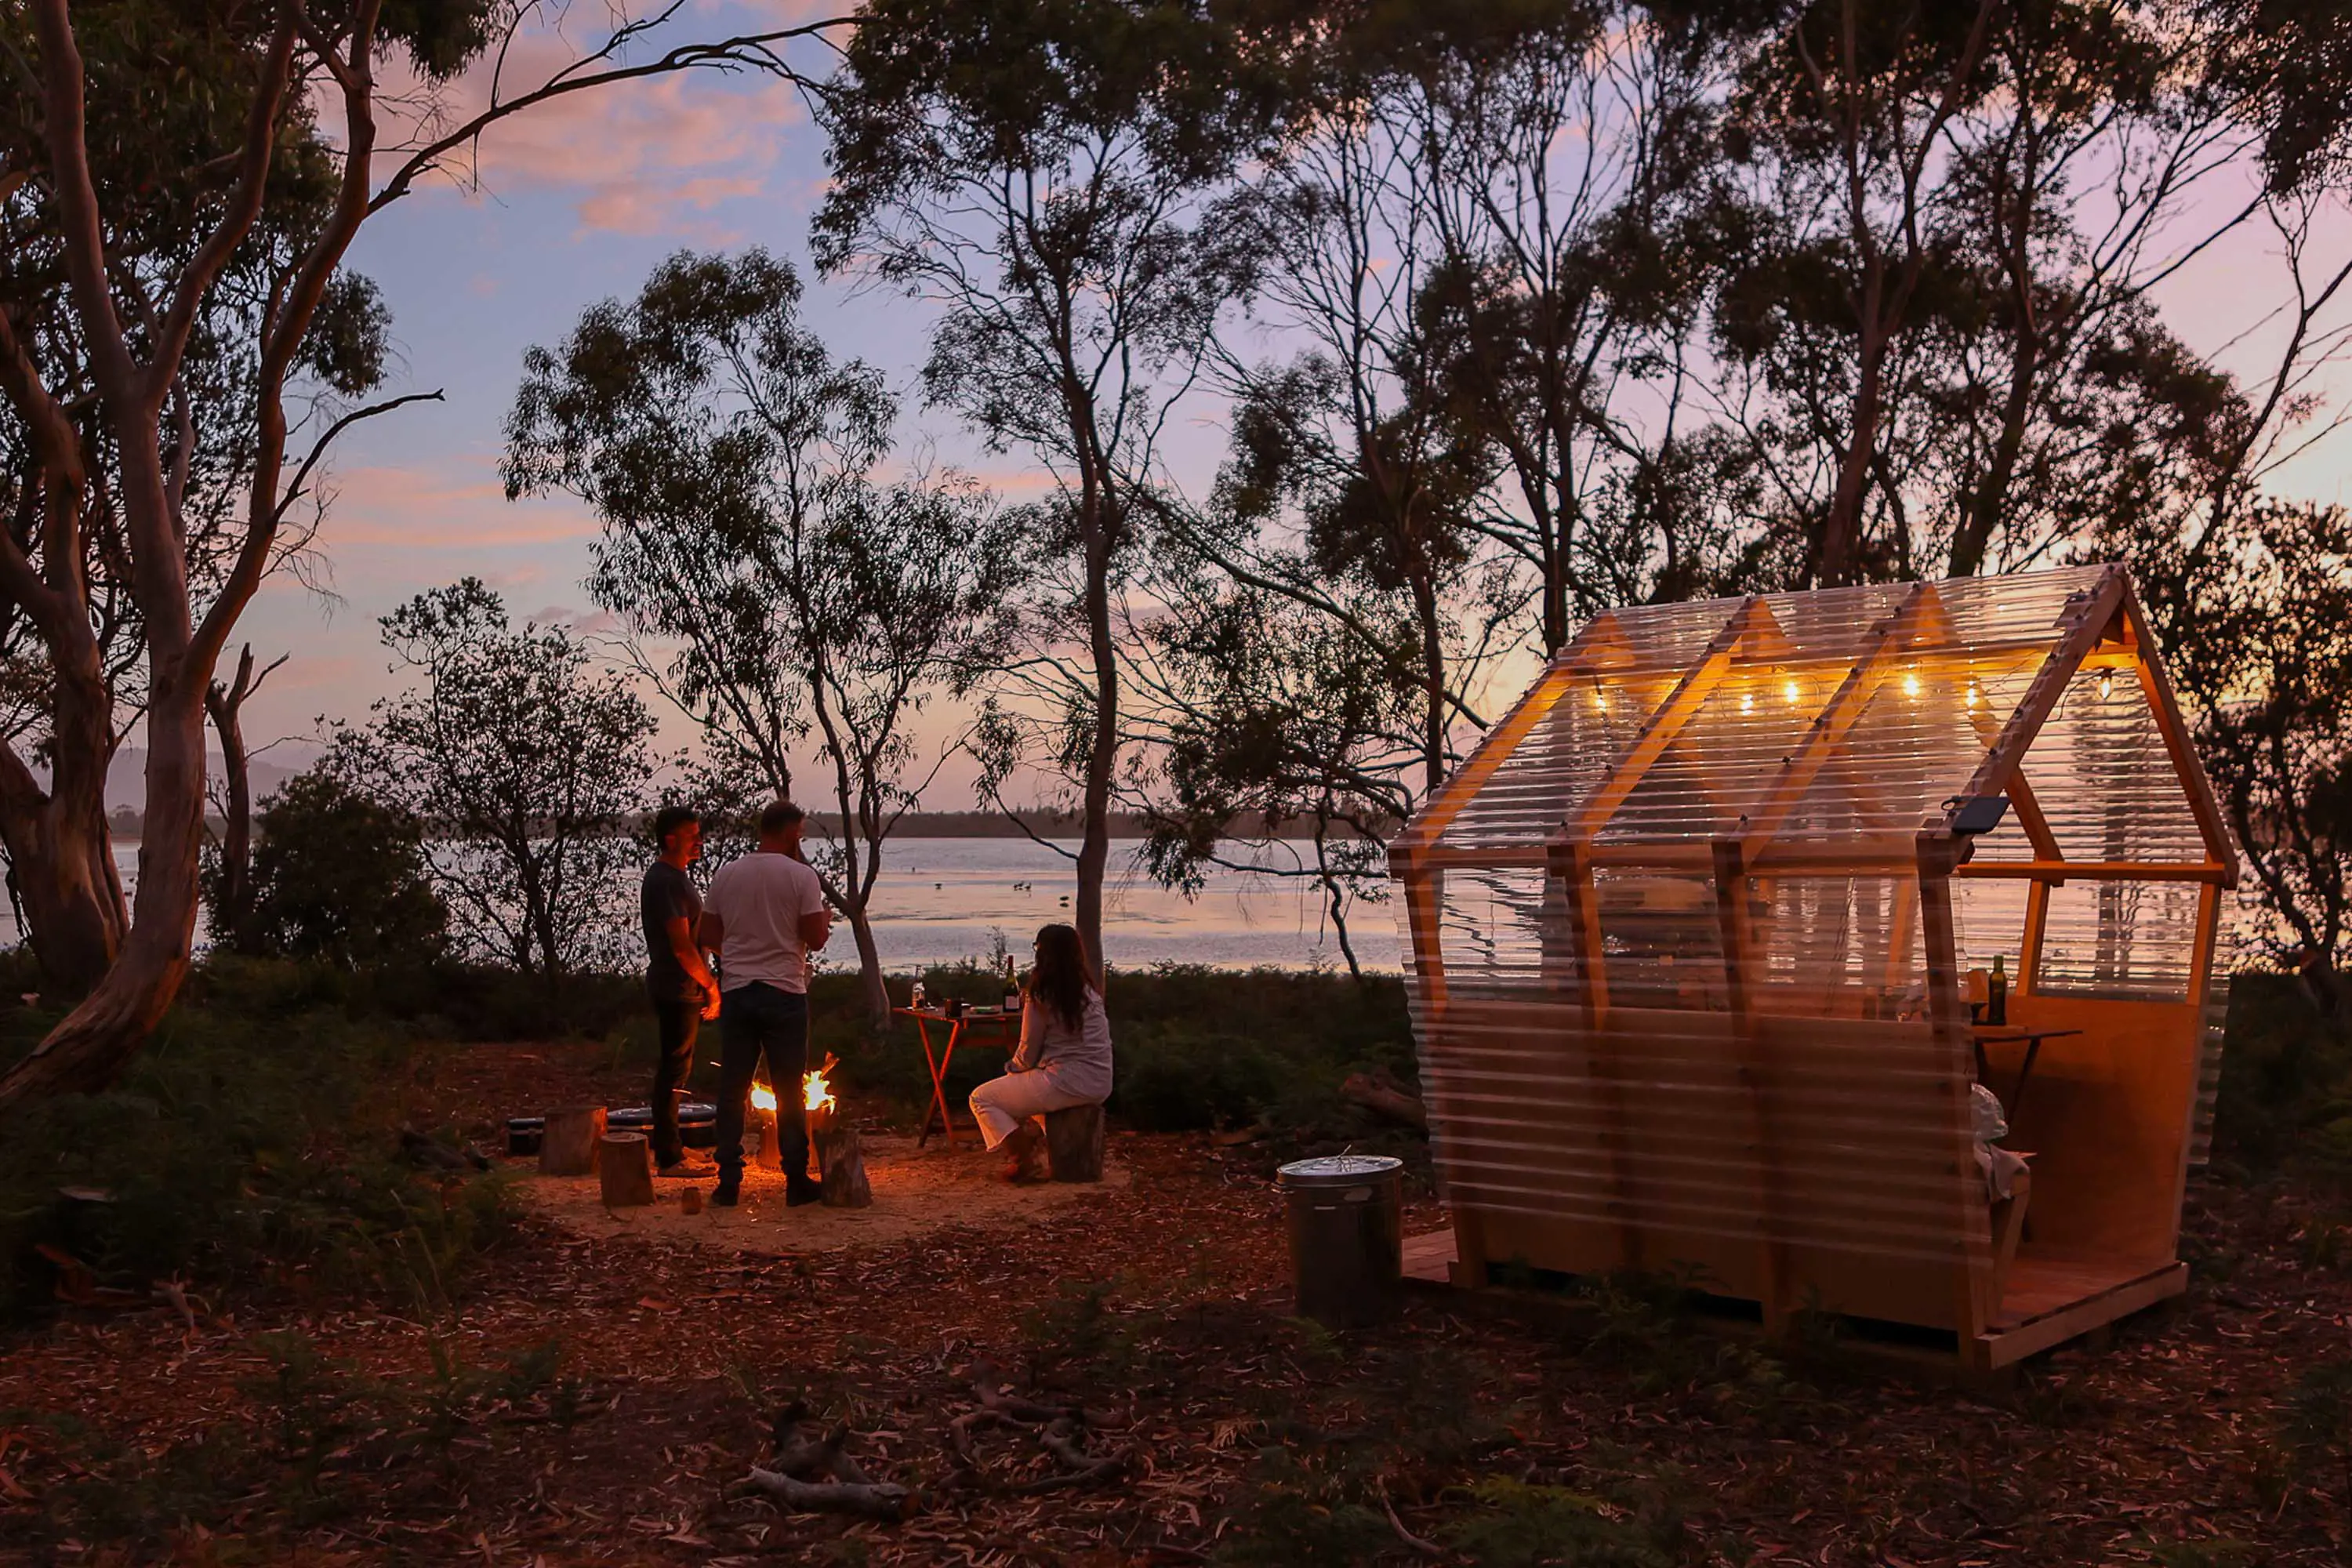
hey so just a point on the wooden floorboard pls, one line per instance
(1429, 1260)
(2039, 1285)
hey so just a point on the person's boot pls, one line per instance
(689, 1163)
(730, 1191)
(801, 1190)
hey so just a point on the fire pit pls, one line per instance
(697, 1126)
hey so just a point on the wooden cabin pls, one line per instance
(1693, 933)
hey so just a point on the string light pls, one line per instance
(1972, 694)
(1747, 702)
(1791, 690)
(1911, 683)
(2106, 684)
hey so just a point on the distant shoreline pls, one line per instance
(125, 825)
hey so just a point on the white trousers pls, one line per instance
(1002, 1104)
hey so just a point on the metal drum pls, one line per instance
(1346, 1236)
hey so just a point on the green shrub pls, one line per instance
(338, 876)
(2286, 1076)
(253, 1137)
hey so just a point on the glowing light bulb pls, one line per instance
(1747, 702)
(2106, 684)
(1911, 684)
(1972, 694)
(1792, 691)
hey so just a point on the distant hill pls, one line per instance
(126, 780)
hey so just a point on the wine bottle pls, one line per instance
(1996, 993)
(1011, 987)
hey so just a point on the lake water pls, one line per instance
(941, 899)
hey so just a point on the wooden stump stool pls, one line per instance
(1074, 1143)
(567, 1148)
(625, 1167)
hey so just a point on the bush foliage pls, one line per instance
(253, 1141)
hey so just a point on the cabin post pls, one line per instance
(1755, 1075)
(1425, 896)
(1573, 868)
(1949, 1016)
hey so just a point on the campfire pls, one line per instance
(816, 1094)
(762, 1097)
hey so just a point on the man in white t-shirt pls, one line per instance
(765, 915)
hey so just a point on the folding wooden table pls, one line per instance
(990, 1026)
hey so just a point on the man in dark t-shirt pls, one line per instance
(679, 982)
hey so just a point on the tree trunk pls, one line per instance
(232, 921)
(869, 966)
(1102, 756)
(91, 1045)
(58, 841)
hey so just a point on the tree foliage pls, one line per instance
(526, 764)
(339, 875)
(737, 466)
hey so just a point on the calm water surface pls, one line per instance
(941, 899)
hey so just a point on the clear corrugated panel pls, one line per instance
(1556, 767)
(2228, 954)
(2023, 607)
(1839, 946)
(2104, 777)
(1662, 939)
(2132, 940)
(1987, 921)
(1918, 740)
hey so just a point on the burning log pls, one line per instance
(625, 1167)
(770, 1156)
(839, 1162)
(568, 1145)
(1074, 1143)
(1378, 1093)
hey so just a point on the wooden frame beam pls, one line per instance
(1920, 608)
(1948, 1017)
(1658, 731)
(1587, 655)
(2085, 620)
(2059, 871)
(2179, 744)
(1740, 977)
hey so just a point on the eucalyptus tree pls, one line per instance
(737, 468)
(1037, 169)
(1572, 156)
(283, 154)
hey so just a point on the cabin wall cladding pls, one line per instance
(1692, 934)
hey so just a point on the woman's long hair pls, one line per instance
(1060, 978)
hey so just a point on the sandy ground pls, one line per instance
(916, 1192)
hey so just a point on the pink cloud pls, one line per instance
(635, 156)
(412, 508)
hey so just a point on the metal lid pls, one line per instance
(1339, 1170)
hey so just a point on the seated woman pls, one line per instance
(1062, 1060)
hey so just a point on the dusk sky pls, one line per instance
(579, 202)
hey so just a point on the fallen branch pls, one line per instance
(1079, 1469)
(1426, 1548)
(872, 1500)
(1379, 1094)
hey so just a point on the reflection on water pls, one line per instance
(941, 899)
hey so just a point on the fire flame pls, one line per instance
(816, 1093)
(762, 1097)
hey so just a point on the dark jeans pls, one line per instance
(678, 1021)
(755, 1021)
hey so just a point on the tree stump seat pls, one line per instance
(1074, 1143)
